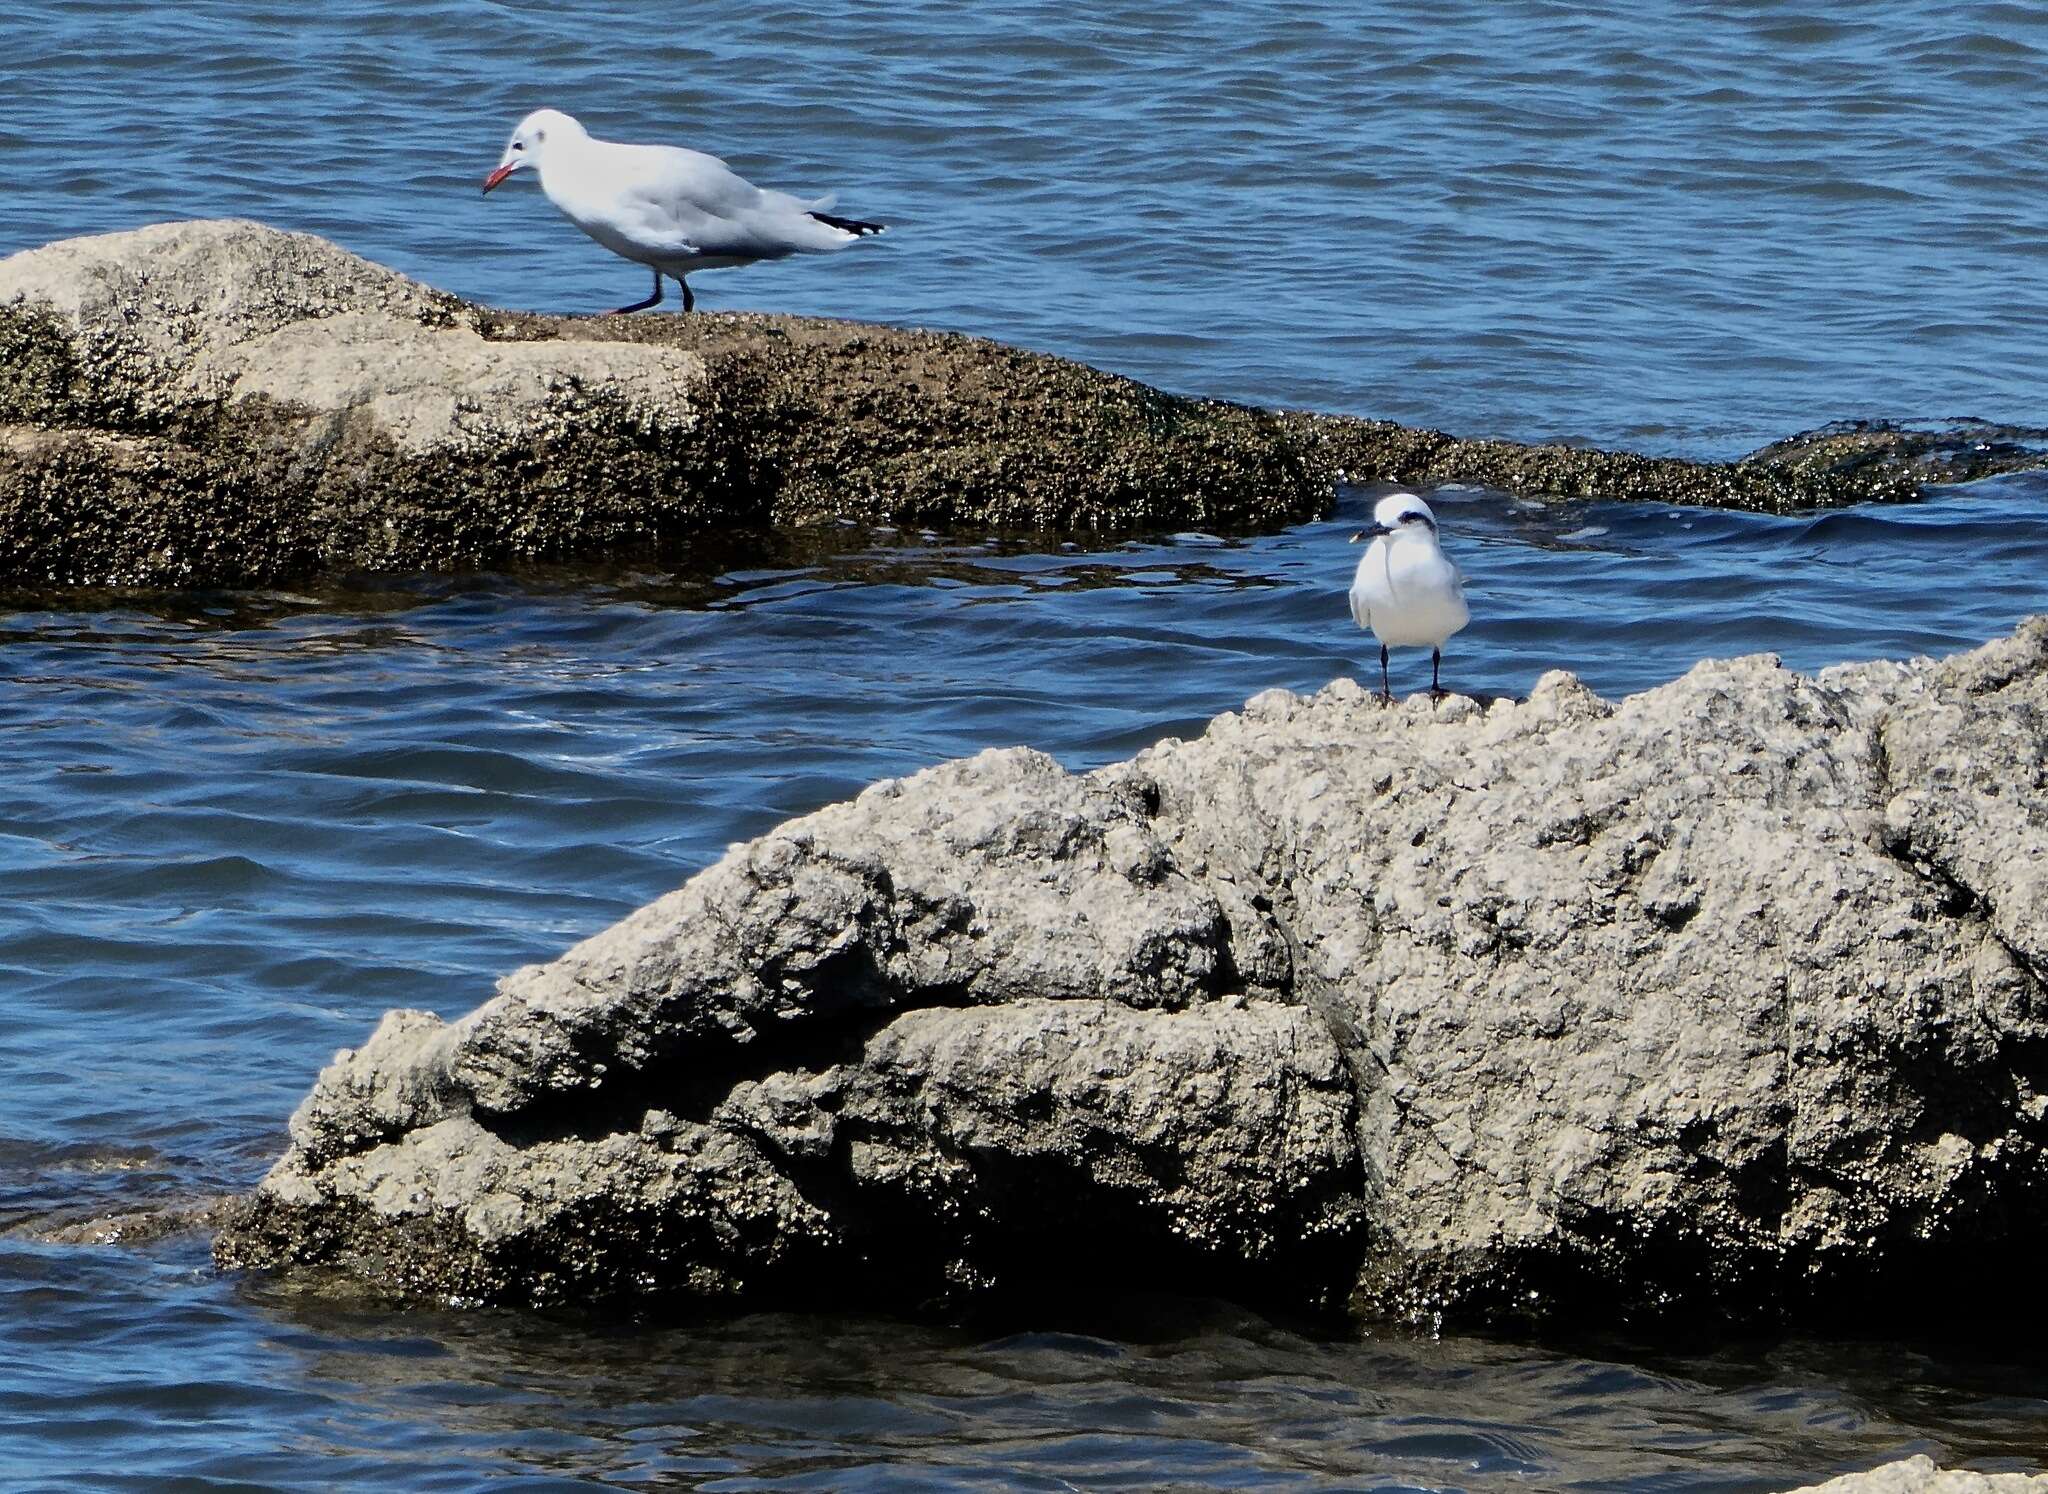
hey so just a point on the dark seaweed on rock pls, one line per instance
(1856, 462)
(220, 402)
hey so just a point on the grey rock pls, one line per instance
(150, 321)
(1726, 998)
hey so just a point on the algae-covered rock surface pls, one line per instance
(1852, 462)
(220, 402)
(1724, 1000)
(212, 403)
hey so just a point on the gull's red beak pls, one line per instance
(500, 174)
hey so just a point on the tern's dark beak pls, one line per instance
(1372, 531)
(500, 174)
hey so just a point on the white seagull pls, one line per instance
(1406, 590)
(671, 209)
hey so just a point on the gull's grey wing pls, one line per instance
(697, 201)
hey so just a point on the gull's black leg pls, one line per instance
(1386, 685)
(689, 301)
(655, 299)
(1436, 662)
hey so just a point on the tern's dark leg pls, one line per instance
(689, 301)
(655, 299)
(1386, 685)
(1436, 662)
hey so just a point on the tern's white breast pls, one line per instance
(1408, 593)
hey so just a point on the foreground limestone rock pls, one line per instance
(1918, 1475)
(1725, 999)
(220, 402)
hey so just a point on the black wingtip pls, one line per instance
(853, 226)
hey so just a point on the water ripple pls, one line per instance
(1706, 229)
(237, 828)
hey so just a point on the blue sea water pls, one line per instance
(235, 828)
(1691, 228)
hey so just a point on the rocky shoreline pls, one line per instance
(1725, 1001)
(222, 403)
(1722, 1003)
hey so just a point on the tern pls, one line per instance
(673, 210)
(1407, 590)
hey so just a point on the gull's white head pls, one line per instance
(1399, 516)
(530, 139)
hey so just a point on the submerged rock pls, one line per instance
(221, 402)
(140, 1226)
(1724, 999)
(1851, 462)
